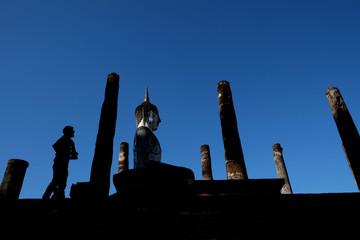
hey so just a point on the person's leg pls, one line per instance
(49, 190)
(59, 191)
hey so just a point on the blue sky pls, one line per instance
(279, 57)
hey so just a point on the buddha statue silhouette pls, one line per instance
(148, 168)
(147, 148)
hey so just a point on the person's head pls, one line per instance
(69, 131)
(147, 114)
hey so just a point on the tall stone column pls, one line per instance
(281, 168)
(101, 165)
(13, 179)
(123, 164)
(347, 130)
(206, 162)
(234, 158)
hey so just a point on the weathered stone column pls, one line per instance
(101, 165)
(234, 158)
(13, 179)
(123, 164)
(281, 168)
(347, 130)
(206, 162)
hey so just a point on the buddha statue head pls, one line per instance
(147, 114)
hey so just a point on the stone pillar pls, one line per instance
(123, 164)
(13, 179)
(234, 158)
(101, 165)
(347, 130)
(206, 162)
(281, 168)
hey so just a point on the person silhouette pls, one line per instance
(65, 150)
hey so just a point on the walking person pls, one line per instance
(65, 150)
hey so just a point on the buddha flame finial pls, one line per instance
(146, 99)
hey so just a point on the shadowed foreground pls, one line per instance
(199, 211)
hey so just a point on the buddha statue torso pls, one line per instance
(146, 147)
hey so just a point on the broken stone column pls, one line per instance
(347, 130)
(101, 165)
(13, 179)
(206, 162)
(234, 158)
(281, 168)
(123, 164)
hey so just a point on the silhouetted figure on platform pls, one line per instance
(65, 150)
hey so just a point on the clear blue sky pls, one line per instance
(279, 57)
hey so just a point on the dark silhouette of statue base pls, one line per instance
(157, 182)
(154, 172)
(65, 150)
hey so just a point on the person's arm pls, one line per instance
(73, 154)
(58, 146)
